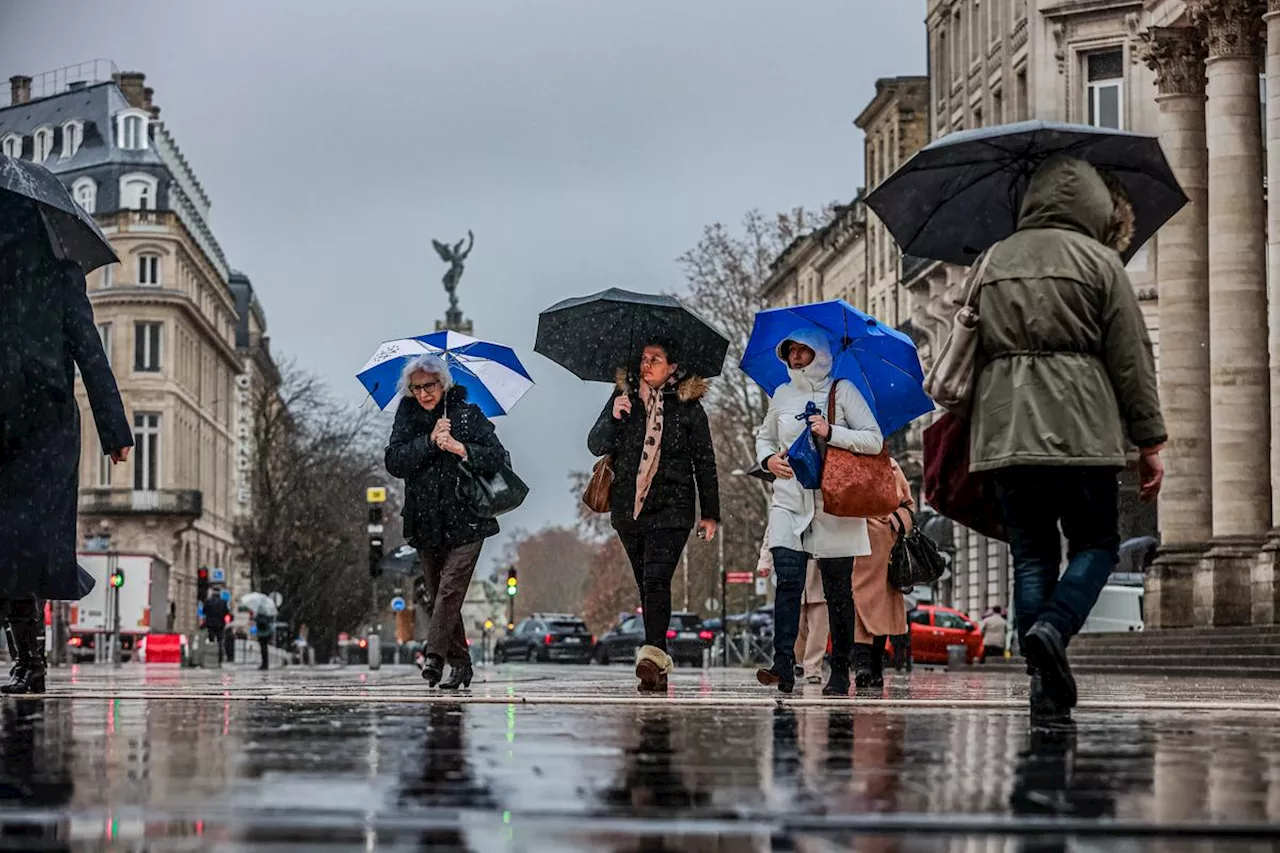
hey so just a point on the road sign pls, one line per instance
(376, 495)
(739, 577)
(397, 604)
(711, 605)
(218, 575)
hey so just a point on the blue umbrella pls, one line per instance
(492, 374)
(881, 362)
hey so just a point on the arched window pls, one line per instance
(138, 191)
(11, 145)
(149, 269)
(72, 136)
(43, 144)
(131, 130)
(85, 192)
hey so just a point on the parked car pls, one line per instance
(1118, 609)
(934, 627)
(547, 637)
(686, 639)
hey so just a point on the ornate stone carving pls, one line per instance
(1177, 56)
(1273, 5)
(1020, 32)
(1233, 28)
(1060, 45)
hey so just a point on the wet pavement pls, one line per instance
(571, 759)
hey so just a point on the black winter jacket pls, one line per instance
(688, 460)
(436, 519)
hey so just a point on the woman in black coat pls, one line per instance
(664, 469)
(435, 432)
(46, 331)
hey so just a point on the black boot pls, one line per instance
(782, 673)
(838, 683)
(433, 670)
(28, 672)
(15, 676)
(1046, 652)
(1044, 706)
(460, 676)
(862, 665)
(877, 662)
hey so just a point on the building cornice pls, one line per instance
(144, 295)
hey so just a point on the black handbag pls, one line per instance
(494, 495)
(915, 559)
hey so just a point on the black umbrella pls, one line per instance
(958, 196)
(72, 232)
(593, 336)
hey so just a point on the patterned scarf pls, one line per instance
(652, 444)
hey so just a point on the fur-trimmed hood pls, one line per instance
(689, 389)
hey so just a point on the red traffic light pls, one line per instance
(202, 574)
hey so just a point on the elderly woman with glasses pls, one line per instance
(436, 430)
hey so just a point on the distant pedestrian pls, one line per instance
(47, 331)
(1066, 383)
(435, 431)
(878, 607)
(664, 479)
(994, 630)
(215, 620)
(264, 625)
(799, 529)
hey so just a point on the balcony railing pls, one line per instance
(177, 502)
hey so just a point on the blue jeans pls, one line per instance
(1034, 501)
(791, 568)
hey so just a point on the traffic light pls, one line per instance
(511, 582)
(117, 578)
(375, 498)
(202, 584)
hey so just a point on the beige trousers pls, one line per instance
(811, 644)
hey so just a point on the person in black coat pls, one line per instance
(215, 620)
(46, 332)
(664, 480)
(436, 432)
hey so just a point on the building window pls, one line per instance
(72, 136)
(43, 144)
(1105, 75)
(104, 335)
(104, 471)
(146, 347)
(146, 452)
(1020, 96)
(957, 48)
(108, 276)
(149, 270)
(11, 145)
(997, 107)
(944, 64)
(138, 191)
(996, 23)
(131, 130)
(975, 32)
(85, 192)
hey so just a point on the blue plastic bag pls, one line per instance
(804, 455)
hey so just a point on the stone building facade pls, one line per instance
(168, 320)
(829, 263)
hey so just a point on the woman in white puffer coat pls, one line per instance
(799, 529)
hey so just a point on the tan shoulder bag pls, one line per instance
(952, 376)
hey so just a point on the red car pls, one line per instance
(934, 627)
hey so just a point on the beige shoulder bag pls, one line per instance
(951, 378)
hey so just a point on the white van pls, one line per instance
(1119, 609)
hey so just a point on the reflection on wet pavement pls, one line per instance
(79, 774)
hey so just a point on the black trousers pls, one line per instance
(216, 635)
(791, 568)
(263, 643)
(654, 555)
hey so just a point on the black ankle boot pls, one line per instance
(460, 676)
(433, 670)
(862, 665)
(27, 675)
(782, 673)
(838, 683)
(877, 662)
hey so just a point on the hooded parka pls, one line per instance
(796, 518)
(1067, 376)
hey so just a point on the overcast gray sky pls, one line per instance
(585, 142)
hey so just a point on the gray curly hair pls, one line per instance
(432, 364)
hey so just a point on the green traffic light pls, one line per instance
(117, 579)
(511, 591)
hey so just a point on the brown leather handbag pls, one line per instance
(855, 485)
(596, 495)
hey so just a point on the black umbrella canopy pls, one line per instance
(955, 198)
(28, 189)
(593, 336)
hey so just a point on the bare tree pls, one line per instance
(306, 536)
(554, 563)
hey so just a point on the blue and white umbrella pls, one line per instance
(492, 374)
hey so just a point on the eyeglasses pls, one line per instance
(424, 387)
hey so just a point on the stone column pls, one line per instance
(1266, 586)
(1177, 55)
(1239, 364)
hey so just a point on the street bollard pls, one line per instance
(375, 651)
(956, 657)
